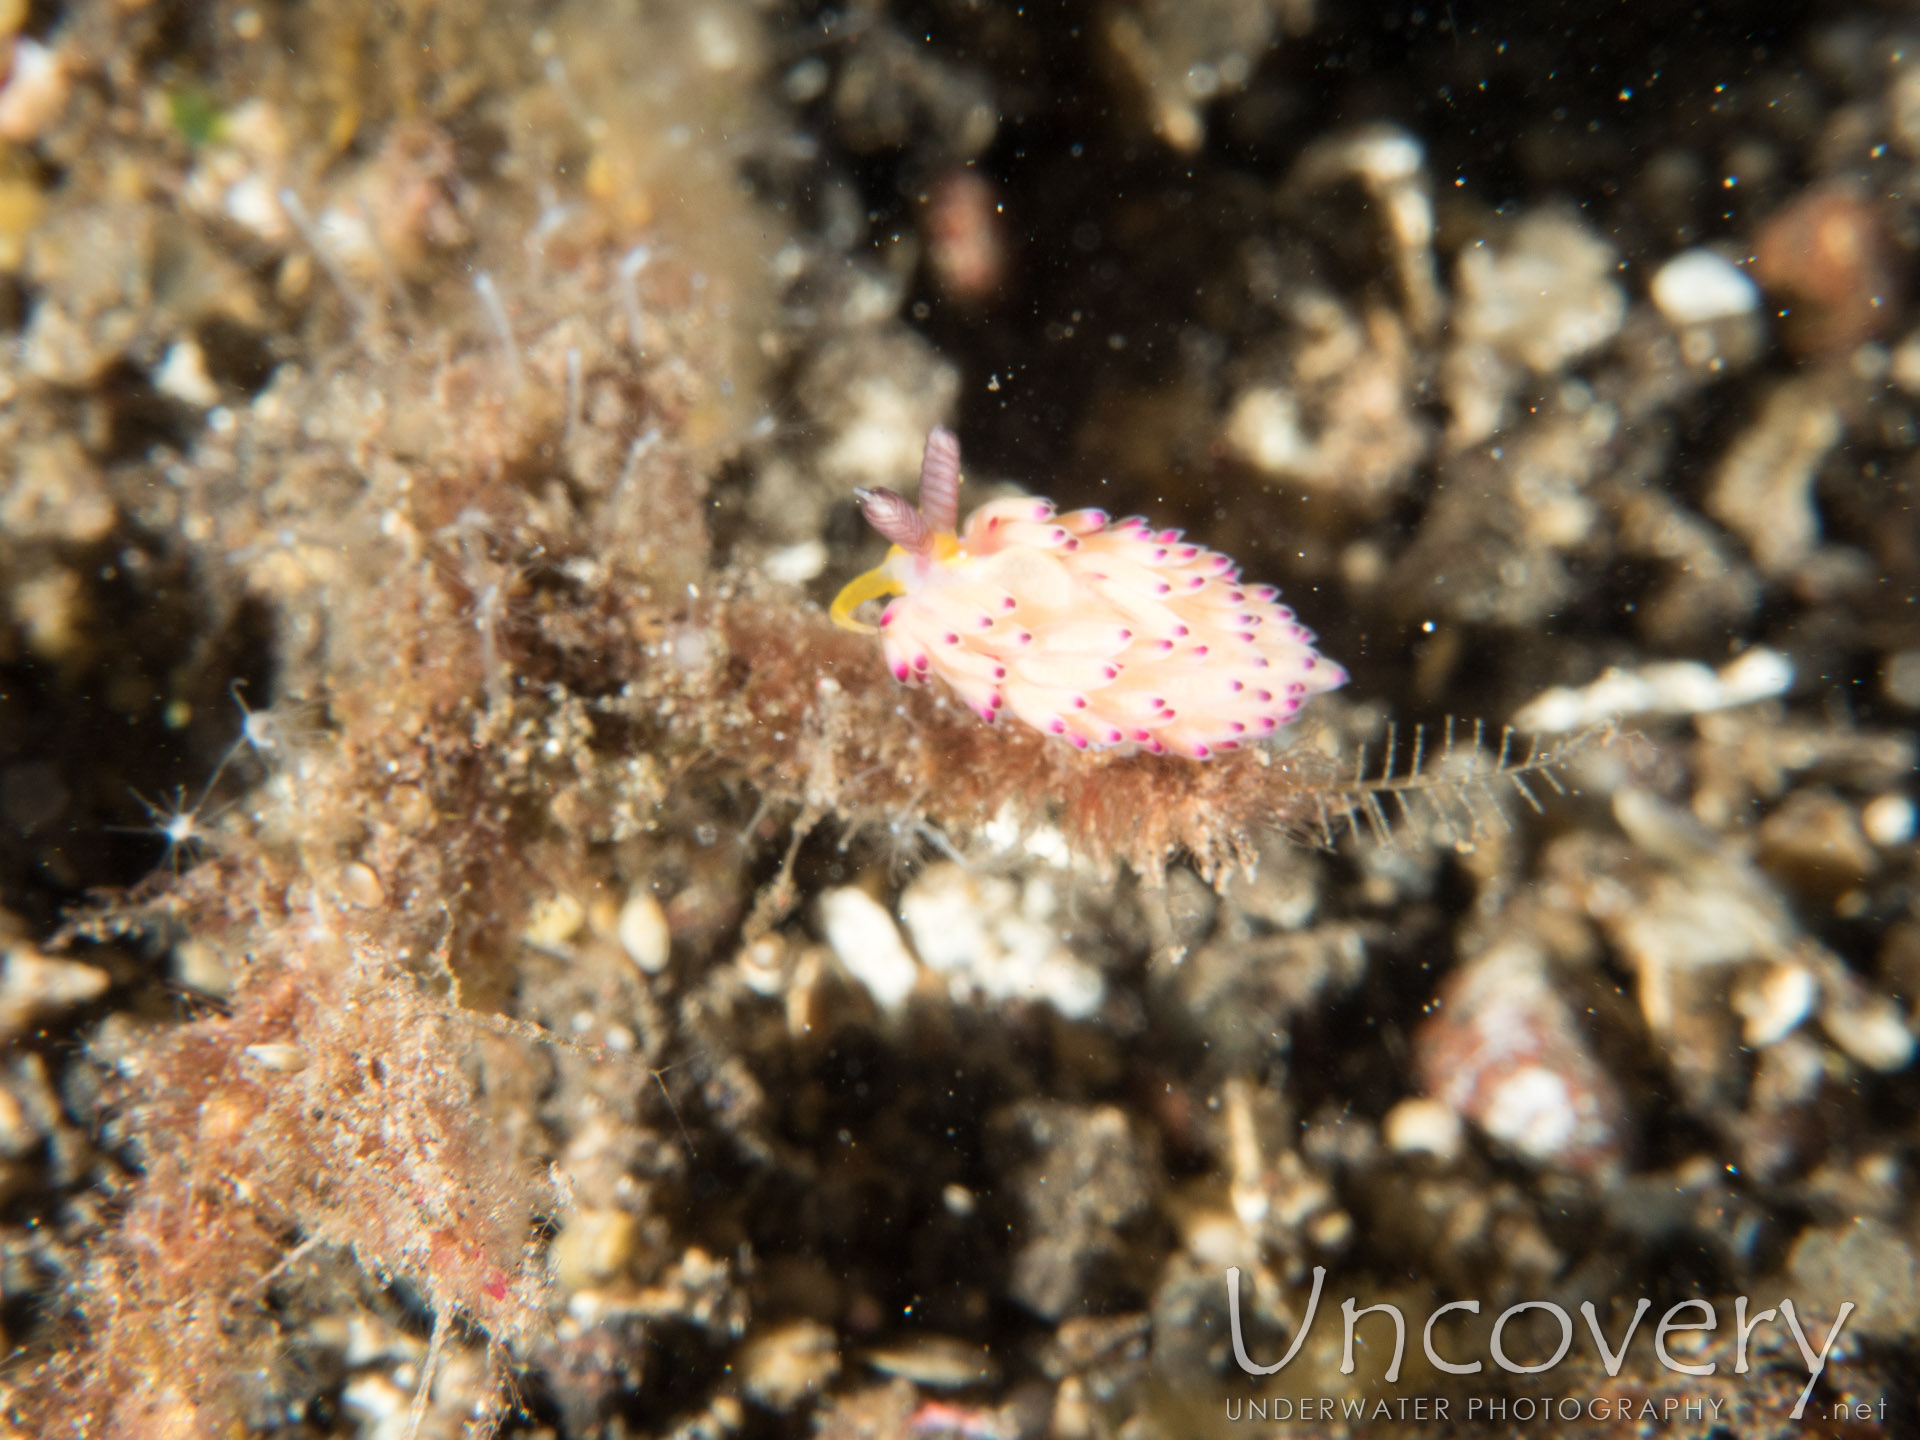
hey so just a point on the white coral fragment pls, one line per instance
(1678, 687)
(990, 940)
(1545, 298)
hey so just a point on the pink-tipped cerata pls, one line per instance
(1109, 635)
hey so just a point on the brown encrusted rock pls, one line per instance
(1087, 1175)
(1829, 260)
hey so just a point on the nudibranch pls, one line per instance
(1111, 635)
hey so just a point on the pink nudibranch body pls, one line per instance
(1110, 635)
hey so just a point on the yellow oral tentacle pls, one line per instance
(873, 585)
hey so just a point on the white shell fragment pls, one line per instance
(360, 886)
(595, 1247)
(1775, 1004)
(1420, 1126)
(1888, 819)
(938, 1362)
(796, 564)
(868, 943)
(782, 1367)
(1869, 1028)
(1265, 428)
(643, 932)
(34, 986)
(277, 1055)
(35, 91)
(1697, 287)
(182, 374)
